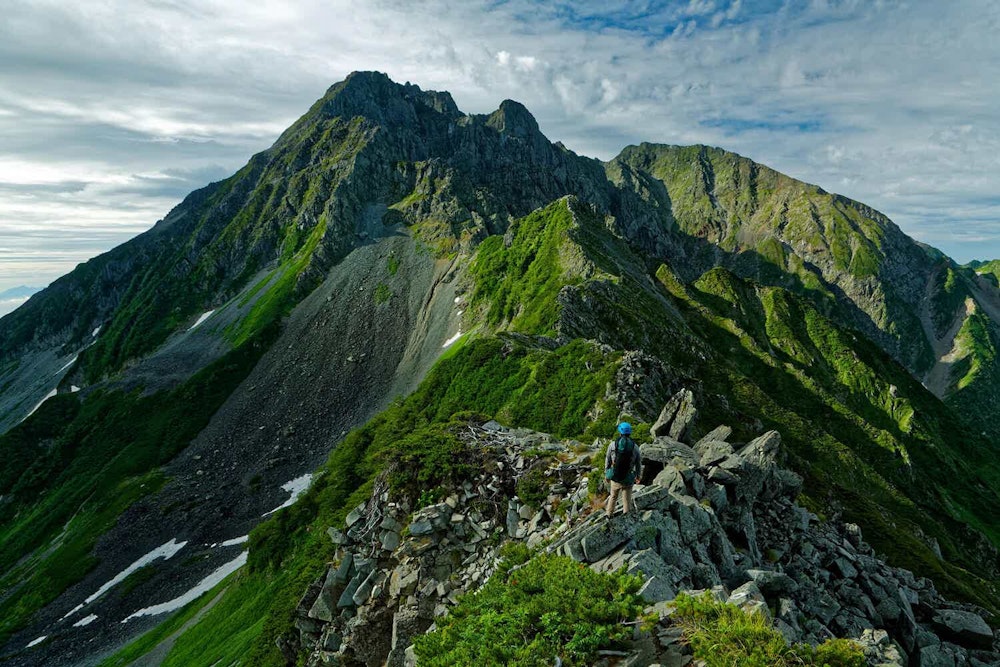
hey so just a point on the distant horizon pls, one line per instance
(890, 104)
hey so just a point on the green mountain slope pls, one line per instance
(583, 292)
(874, 446)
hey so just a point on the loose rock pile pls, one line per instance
(716, 516)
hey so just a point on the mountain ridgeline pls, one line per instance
(392, 270)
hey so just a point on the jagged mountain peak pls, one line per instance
(386, 209)
(514, 119)
(377, 98)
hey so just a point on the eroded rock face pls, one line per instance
(677, 416)
(718, 517)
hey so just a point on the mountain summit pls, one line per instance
(331, 329)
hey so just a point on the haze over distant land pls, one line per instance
(14, 297)
(110, 114)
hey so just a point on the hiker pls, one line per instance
(623, 468)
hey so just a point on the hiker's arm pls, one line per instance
(638, 463)
(607, 456)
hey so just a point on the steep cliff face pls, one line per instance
(200, 367)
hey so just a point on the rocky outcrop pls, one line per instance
(719, 516)
(676, 416)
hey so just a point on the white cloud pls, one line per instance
(891, 102)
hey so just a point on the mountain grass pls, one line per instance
(722, 635)
(518, 276)
(551, 606)
(76, 466)
(411, 441)
(871, 442)
(150, 640)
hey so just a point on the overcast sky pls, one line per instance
(112, 110)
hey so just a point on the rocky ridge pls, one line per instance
(374, 162)
(715, 516)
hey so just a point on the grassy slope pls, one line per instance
(780, 231)
(866, 435)
(75, 466)
(757, 352)
(868, 438)
(511, 379)
(281, 200)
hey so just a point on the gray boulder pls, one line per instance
(607, 537)
(773, 583)
(665, 449)
(717, 434)
(677, 416)
(325, 604)
(745, 594)
(713, 452)
(963, 627)
(671, 479)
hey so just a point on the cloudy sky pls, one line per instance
(112, 110)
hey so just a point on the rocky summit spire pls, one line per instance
(377, 97)
(514, 119)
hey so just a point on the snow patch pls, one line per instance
(202, 587)
(96, 331)
(36, 642)
(47, 397)
(204, 316)
(71, 362)
(233, 542)
(458, 334)
(458, 299)
(86, 620)
(73, 389)
(165, 551)
(296, 487)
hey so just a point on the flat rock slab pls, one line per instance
(964, 627)
(717, 434)
(607, 537)
(665, 450)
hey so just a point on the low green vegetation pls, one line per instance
(381, 294)
(723, 635)
(533, 611)
(517, 282)
(990, 269)
(413, 444)
(948, 295)
(277, 299)
(429, 458)
(147, 642)
(74, 466)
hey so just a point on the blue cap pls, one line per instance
(625, 428)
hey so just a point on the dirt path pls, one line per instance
(159, 652)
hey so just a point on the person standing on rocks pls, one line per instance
(623, 468)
